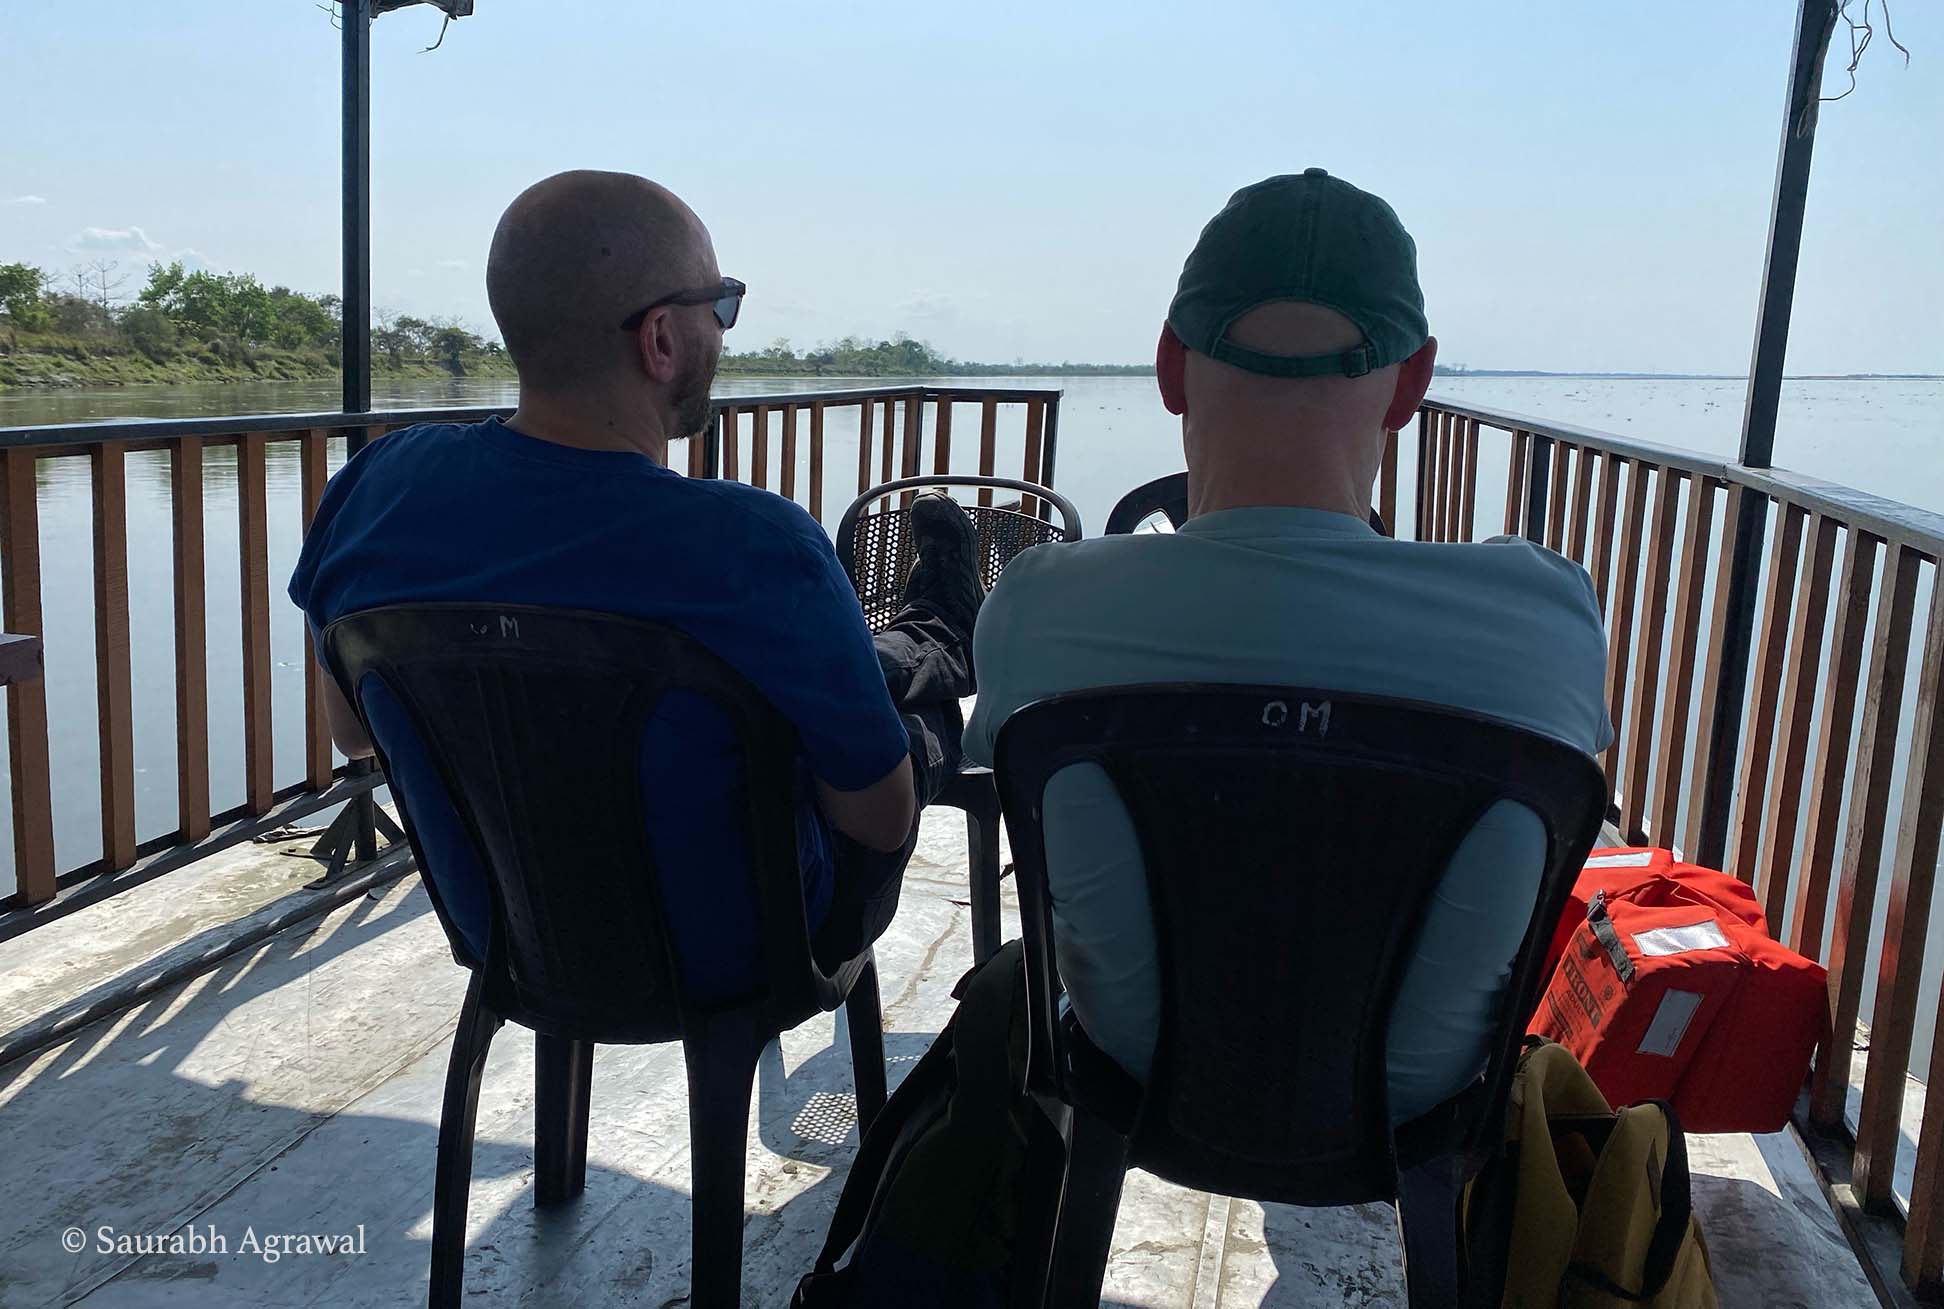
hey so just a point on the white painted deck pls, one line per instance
(295, 1088)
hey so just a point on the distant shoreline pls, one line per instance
(90, 379)
(1688, 377)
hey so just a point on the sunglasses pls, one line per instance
(726, 299)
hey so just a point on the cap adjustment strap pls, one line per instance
(1350, 363)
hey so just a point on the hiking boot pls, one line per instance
(945, 578)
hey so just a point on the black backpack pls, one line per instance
(939, 1192)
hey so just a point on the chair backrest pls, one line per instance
(1292, 839)
(533, 722)
(1164, 495)
(1168, 496)
(875, 545)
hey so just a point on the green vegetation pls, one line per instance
(185, 326)
(899, 357)
(196, 326)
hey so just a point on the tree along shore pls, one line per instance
(81, 329)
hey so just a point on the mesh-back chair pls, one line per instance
(532, 719)
(1168, 497)
(876, 550)
(1293, 840)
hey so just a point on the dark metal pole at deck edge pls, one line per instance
(355, 335)
(1815, 23)
(1538, 487)
(356, 191)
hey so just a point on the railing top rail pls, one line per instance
(1893, 521)
(1890, 520)
(1665, 456)
(160, 430)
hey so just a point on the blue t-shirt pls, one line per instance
(480, 512)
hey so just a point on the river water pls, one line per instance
(1879, 436)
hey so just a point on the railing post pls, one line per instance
(712, 447)
(20, 588)
(1419, 501)
(1387, 484)
(1538, 463)
(114, 682)
(253, 556)
(1052, 439)
(191, 639)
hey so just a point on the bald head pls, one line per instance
(576, 254)
(1256, 439)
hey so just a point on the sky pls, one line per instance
(1588, 183)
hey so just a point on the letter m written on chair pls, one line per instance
(1276, 714)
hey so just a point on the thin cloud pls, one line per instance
(113, 240)
(28, 200)
(929, 307)
(454, 263)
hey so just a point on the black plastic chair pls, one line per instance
(1168, 497)
(877, 553)
(1292, 840)
(1164, 495)
(533, 721)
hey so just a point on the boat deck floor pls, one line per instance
(294, 1087)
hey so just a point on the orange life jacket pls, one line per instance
(1668, 986)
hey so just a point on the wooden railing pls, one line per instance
(1778, 761)
(889, 424)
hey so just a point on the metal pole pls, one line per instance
(356, 105)
(1815, 23)
(1538, 487)
(355, 342)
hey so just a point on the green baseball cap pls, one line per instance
(1308, 237)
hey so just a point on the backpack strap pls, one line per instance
(1670, 1232)
(986, 1084)
(1677, 1208)
(975, 1037)
(1601, 922)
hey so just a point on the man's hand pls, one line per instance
(880, 816)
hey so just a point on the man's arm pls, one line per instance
(346, 730)
(807, 648)
(879, 817)
(1008, 666)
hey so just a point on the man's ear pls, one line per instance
(1171, 370)
(1413, 380)
(658, 348)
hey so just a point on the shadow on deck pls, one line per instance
(295, 1088)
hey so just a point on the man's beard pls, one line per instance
(691, 398)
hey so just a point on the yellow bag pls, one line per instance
(1586, 1208)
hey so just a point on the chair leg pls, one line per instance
(452, 1183)
(1428, 1201)
(982, 852)
(563, 1076)
(864, 1016)
(1089, 1206)
(722, 1059)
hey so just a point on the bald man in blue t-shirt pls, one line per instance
(606, 290)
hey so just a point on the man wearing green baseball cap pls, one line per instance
(1296, 342)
